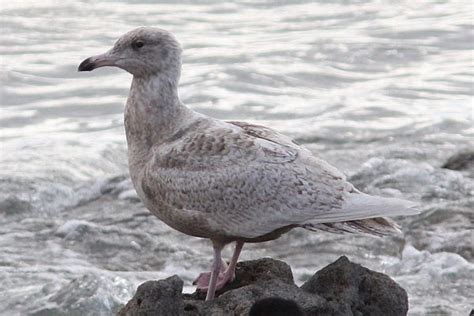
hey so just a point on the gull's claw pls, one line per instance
(202, 281)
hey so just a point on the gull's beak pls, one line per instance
(91, 63)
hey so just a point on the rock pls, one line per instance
(156, 298)
(276, 307)
(266, 287)
(249, 272)
(460, 161)
(364, 291)
(253, 281)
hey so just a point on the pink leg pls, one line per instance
(202, 281)
(216, 268)
(230, 271)
(226, 274)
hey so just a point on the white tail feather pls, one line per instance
(362, 206)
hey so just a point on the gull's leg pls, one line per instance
(216, 268)
(202, 281)
(226, 274)
(229, 273)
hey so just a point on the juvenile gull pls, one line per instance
(226, 181)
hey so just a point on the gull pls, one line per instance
(226, 181)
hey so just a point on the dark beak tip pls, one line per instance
(86, 65)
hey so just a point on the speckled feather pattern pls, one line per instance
(247, 187)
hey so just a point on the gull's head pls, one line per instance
(143, 52)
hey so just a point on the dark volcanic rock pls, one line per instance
(249, 272)
(266, 287)
(254, 280)
(156, 298)
(364, 291)
(460, 161)
(275, 306)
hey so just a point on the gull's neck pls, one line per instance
(153, 112)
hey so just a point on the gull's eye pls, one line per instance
(138, 44)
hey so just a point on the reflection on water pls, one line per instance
(382, 90)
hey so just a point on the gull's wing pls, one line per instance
(264, 132)
(246, 185)
(245, 181)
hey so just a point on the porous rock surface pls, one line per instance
(266, 287)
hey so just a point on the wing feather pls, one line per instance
(247, 180)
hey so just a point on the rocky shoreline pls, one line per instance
(266, 287)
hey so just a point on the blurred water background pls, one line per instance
(381, 89)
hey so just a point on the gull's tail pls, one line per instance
(363, 213)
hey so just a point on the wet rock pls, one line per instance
(460, 161)
(276, 307)
(156, 298)
(266, 287)
(364, 291)
(250, 272)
